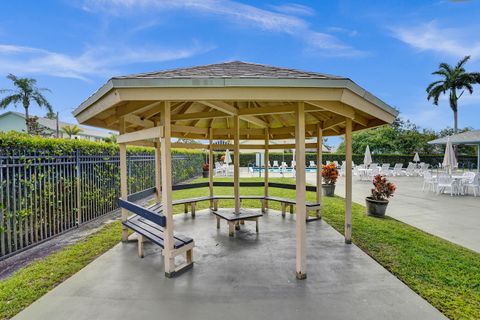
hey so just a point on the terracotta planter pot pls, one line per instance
(328, 190)
(376, 208)
(205, 174)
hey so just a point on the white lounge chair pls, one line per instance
(275, 164)
(219, 168)
(397, 169)
(410, 171)
(385, 169)
(294, 164)
(312, 164)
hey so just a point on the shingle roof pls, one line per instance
(234, 69)
(468, 137)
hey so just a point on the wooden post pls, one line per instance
(267, 160)
(348, 181)
(123, 186)
(210, 164)
(319, 166)
(158, 175)
(301, 243)
(123, 179)
(236, 162)
(166, 169)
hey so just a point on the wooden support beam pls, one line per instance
(136, 120)
(211, 163)
(141, 135)
(199, 115)
(236, 163)
(135, 108)
(348, 181)
(221, 106)
(319, 165)
(267, 160)
(301, 241)
(334, 107)
(166, 169)
(255, 120)
(123, 180)
(360, 120)
(335, 121)
(189, 129)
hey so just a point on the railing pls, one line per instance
(43, 195)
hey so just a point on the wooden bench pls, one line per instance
(149, 223)
(285, 202)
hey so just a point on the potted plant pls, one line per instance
(330, 176)
(378, 201)
(205, 170)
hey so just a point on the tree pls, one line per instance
(111, 139)
(51, 115)
(455, 79)
(71, 130)
(25, 91)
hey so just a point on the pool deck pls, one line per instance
(456, 219)
(251, 276)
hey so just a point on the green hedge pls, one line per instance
(470, 162)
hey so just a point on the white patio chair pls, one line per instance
(372, 173)
(294, 164)
(283, 165)
(385, 169)
(219, 168)
(446, 181)
(429, 182)
(397, 169)
(373, 165)
(268, 164)
(275, 164)
(410, 171)
(471, 180)
(312, 164)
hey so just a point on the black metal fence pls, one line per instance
(43, 194)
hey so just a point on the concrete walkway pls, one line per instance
(247, 277)
(456, 219)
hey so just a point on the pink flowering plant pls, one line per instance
(383, 189)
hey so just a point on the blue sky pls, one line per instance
(390, 48)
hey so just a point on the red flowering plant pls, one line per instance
(330, 173)
(383, 189)
(205, 167)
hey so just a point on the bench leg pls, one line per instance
(256, 225)
(291, 209)
(189, 256)
(264, 205)
(193, 209)
(185, 208)
(218, 223)
(140, 239)
(284, 209)
(319, 213)
(242, 222)
(237, 225)
(215, 205)
(231, 228)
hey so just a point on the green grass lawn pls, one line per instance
(445, 274)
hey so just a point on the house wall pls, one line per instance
(12, 122)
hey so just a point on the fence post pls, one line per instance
(79, 194)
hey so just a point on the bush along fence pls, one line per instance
(45, 193)
(465, 162)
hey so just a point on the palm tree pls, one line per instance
(26, 90)
(71, 130)
(454, 79)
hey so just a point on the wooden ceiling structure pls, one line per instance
(234, 101)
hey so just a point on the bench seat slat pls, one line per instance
(144, 212)
(154, 232)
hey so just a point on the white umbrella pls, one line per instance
(416, 158)
(449, 160)
(228, 158)
(367, 160)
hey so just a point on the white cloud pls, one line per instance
(295, 9)
(283, 22)
(451, 41)
(98, 61)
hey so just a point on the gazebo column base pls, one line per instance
(301, 276)
(348, 241)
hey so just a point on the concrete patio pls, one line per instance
(456, 219)
(246, 277)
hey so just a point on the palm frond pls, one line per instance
(433, 84)
(8, 100)
(462, 62)
(445, 66)
(435, 93)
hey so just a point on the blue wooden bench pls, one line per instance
(149, 223)
(285, 202)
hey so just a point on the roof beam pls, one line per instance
(221, 106)
(334, 107)
(136, 120)
(199, 115)
(335, 121)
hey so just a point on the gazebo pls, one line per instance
(471, 138)
(233, 101)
